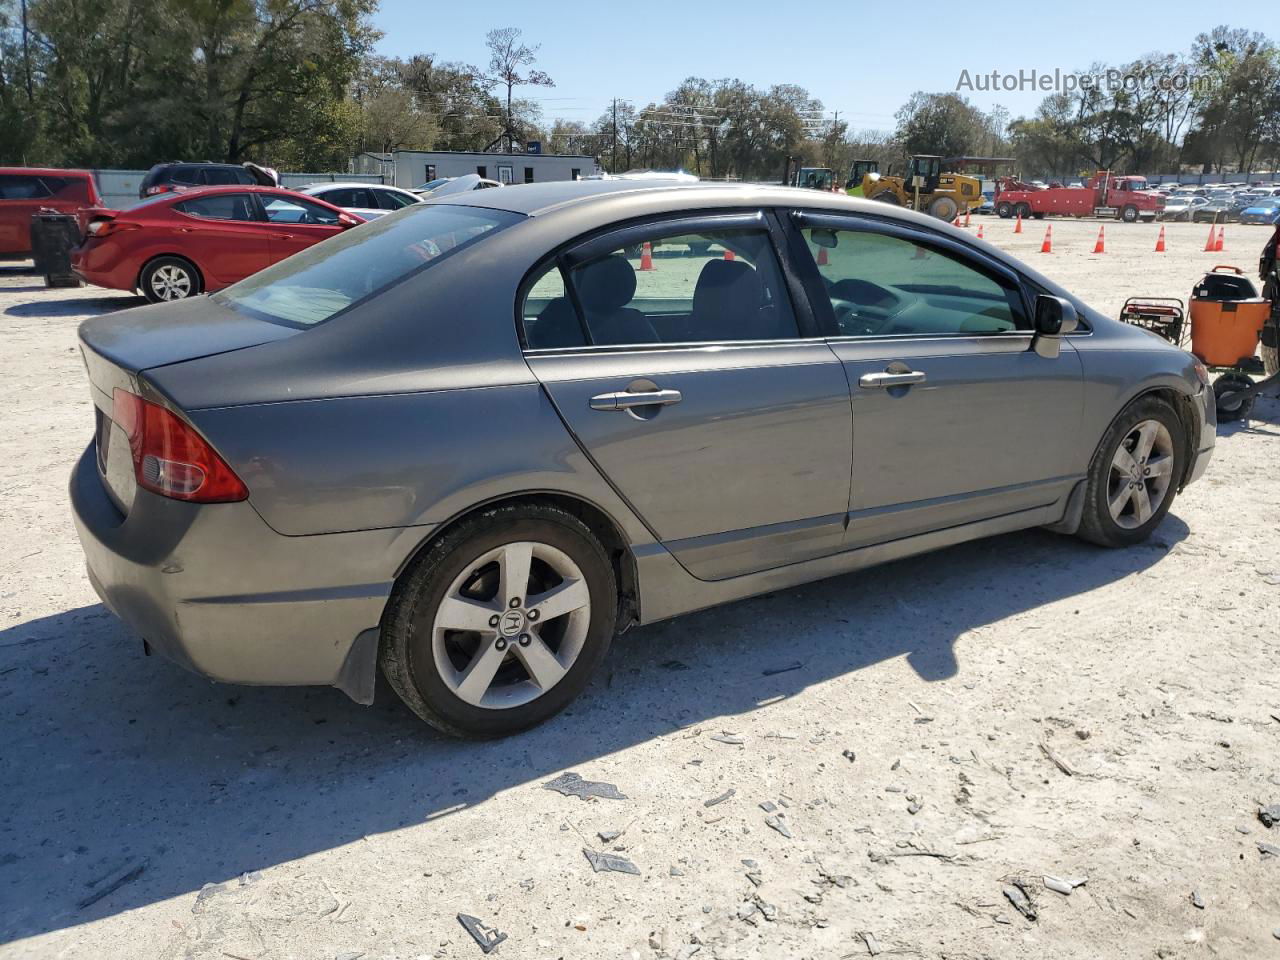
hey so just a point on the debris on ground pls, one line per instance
(1064, 885)
(1056, 760)
(784, 668)
(768, 806)
(778, 822)
(572, 785)
(730, 738)
(873, 945)
(914, 807)
(609, 862)
(1269, 815)
(608, 836)
(731, 792)
(1268, 849)
(1197, 901)
(113, 882)
(1021, 902)
(487, 938)
(849, 755)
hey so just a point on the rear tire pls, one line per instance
(1004, 211)
(535, 664)
(1023, 210)
(889, 197)
(1134, 474)
(169, 278)
(944, 208)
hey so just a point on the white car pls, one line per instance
(367, 200)
(1180, 206)
(470, 181)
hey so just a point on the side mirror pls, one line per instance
(346, 221)
(1054, 318)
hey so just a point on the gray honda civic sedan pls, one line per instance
(471, 442)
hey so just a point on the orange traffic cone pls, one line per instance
(956, 221)
(822, 256)
(1217, 247)
(979, 231)
(1047, 245)
(1017, 227)
(1209, 244)
(646, 256)
(966, 218)
(1160, 240)
(728, 254)
(1101, 245)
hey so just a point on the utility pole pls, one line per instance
(26, 52)
(613, 164)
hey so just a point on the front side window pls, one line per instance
(391, 200)
(221, 206)
(716, 286)
(297, 210)
(881, 285)
(318, 283)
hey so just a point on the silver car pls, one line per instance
(369, 201)
(472, 441)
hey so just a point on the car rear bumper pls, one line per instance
(102, 264)
(213, 588)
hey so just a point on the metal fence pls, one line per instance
(119, 188)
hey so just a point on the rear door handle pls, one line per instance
(284, 236)
(626, 399)
(872, 380)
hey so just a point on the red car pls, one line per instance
(176, 245)
(27, 190)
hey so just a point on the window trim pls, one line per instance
(593, 244)
(856, 222)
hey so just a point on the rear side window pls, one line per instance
(346, 197)
(224, 176)
(22, 187)
(320, 282)
(298, 210)
(222, 206)
(710, 287)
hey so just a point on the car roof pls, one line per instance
(345, 185)
(44, 172)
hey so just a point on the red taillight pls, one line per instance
(169, 457)
(104, 228)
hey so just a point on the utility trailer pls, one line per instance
(1104, 195)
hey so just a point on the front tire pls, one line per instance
(1004, 210)
(1134, 475)
(944, 208)
(169, 278)
(1129, 214)
(501, 622)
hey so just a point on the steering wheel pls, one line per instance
(863, 308)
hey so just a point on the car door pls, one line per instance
(956, 418)
(297, 223)
(21, 195)
(223, 234)
(676, 356)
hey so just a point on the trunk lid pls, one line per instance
(119, 348)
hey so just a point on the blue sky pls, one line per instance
(862, 60)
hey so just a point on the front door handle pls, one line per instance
(283, 236)
(903, 379)
(626, 399)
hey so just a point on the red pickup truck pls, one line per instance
(28, 190)
(1125, 198)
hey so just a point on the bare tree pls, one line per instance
(508, 59)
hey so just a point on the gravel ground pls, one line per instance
(930, 733)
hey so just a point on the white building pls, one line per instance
(412, 168)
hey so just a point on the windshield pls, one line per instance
(322, 281)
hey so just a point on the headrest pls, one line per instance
(718, 275)
(607, 284)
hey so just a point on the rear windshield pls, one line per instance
(322, 281)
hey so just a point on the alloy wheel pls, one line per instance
(511, 625)
(1141, 473)
(171, 282)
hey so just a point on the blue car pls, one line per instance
(1265, 211)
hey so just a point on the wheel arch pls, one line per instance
(602, 525)
(1183, 405)
(175, 256)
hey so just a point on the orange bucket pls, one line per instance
(1226, 317)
